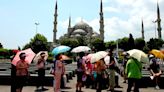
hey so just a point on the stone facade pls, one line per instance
(81, 29)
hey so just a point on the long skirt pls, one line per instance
(57, 78)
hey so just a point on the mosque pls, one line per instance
(80, 29)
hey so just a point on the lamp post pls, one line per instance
(36, 23)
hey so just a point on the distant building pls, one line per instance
(82, 29)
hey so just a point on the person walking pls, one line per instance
(133, 71)
(58, 72)
(21, 72)
(111, 69)
(41, 71)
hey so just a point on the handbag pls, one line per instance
(84, 78)
(52, 71)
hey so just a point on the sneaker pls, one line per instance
(157, 87)
(37, 88)
(44, 89)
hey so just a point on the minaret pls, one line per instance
(101, 22)
(142, 30)
(55, 24)
(158, 22)
(69, 25)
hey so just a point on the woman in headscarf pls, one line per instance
(59, 71)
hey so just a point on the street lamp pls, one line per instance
(36, 23)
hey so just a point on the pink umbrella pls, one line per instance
(29, 56)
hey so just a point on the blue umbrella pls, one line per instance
(60, 49)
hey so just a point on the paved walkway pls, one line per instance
(71, 88)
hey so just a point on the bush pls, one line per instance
(50, 59)
(4, 53)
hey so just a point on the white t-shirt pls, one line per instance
(107, 59)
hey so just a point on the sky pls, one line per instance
(121, 17)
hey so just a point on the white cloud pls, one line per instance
(111, 9)
(105, 1)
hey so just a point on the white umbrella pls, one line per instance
(139, 55)
(80, 49)
(107, 59)
(38, 56)
(99, 55)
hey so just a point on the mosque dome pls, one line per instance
(95, 34)
(81, 25)
(79, 31)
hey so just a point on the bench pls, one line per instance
(147, 82)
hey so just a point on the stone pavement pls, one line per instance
(71, 88)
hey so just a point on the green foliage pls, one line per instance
(3, 50)
(38, 43)
(82, 41)
(111, 44)
(123, 43)
(27, 46)
(50, 59)
(1, 46)
(4, 53)
(139, 43)
(98, 44)
(69, 42)
(155, 43)
(146, 49)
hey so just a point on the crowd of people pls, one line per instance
(99, 75)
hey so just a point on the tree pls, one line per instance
(111, 44)
(131, 44)
(82, 41)
(38, 43)
(69, 42)
(97, 44)
(139, 43)
(155, 43)
(123, 43)
(19, 48)
(1, 46)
